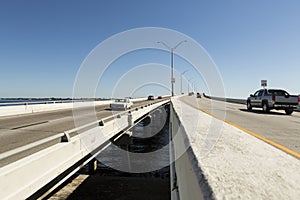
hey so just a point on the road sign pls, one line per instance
(264, 83)
(173, 80)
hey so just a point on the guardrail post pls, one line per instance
(130, 121)
(66, 137)
(101, 123)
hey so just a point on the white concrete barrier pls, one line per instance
(239, 166)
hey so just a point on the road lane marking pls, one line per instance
(279, 146)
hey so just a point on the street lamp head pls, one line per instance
(184, 71)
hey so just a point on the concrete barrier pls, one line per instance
(239, 166)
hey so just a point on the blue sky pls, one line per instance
(43, 43)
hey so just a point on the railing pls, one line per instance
(40, 168)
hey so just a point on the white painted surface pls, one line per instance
(22, 178)
(186, 184)
(239, 166)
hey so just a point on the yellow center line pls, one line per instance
(279, 146)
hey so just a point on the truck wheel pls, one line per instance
(289, 111)
(249, 107)
(265, 107)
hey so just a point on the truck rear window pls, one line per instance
(277, 92)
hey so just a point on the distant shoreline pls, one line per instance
(49, 99)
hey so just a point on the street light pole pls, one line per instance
(181, 80)
(172, 71)
(172, 49)
(192, 86)
(189, 85)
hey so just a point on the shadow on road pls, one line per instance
(262, 112)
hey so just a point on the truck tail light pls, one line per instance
(273, 98)
(298, 99)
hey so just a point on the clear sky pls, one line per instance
(43, 43)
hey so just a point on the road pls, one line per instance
(19, 130)
(275, 126)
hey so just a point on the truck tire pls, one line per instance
(249, 107)
(289, 111)
(265, 107)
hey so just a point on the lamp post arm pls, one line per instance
(179, 44)
(161, 42)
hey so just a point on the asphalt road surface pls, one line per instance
(19, 130)
(276, 125)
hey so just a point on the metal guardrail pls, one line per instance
(53, 161)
